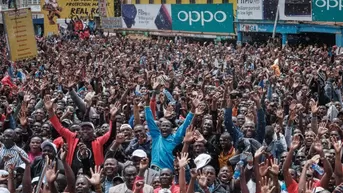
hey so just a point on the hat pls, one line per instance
(125, 125)
(4, 190)
(48, 143)
(21, 167)
(89, 124)
(139, 153)
(202, 160)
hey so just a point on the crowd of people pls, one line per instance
(120, 115)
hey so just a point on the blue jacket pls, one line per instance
(236, 133)
(162, 148)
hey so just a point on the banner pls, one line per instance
(327, 10)
(217, 18)
(250, 9)
(111, 22)
(72, 9)
(153, 17)
(102, 8)
(21, 39)
(296, 10)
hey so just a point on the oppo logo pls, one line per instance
(203, 17)
(329, 4)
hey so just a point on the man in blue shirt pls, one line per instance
(163, 140)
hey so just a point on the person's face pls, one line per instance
(142, 117)
(36, 127)
(325, 143)
(110, 167)
(243, 110)
(321, 111)
(136, 161)
(100, 107)
(240, 120)
(249, 129)
(59, 111)
(48, 151)
(225, 142)
(35, 144)
(207, 127)
(300, 157)
(19, 134)
(297, 132)
(211, 175)
(127, 132)
(45, 130)
(225, 174)
(8, 138)
(139, 129)
(199, 147)
(70, 102)
(119, 119)
(81, 185)
(86, 133)
(166, 128)
(283, 157)
(335, 134)
(130, 175)
(166, 177)
(39, 116)
(156, 182)
(309, 138)
(331, 156)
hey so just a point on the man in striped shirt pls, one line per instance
(9, 151)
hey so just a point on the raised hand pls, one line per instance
(337, 146)
(263, 168)
(144, 164)
(63, 153)
(139, 185)
(202, 180)
(198, 136)
(295, 142)
(48, 102)
(274, 168)
(266, 185)
(318, 146)
(309, 187)
(193, 172)
(22, 118)
(259, 152)
(189, 136)
(50, 173)
(322, 129)
(314, 106)
(96, 176)
(183, 159)
(114, 109)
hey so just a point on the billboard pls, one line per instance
(20, 35)
(296, 10)
(250, 9)
(325, 10)
(63, 9)
(215, 18)
(152, 17)
(111, 22)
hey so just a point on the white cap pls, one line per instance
(48, 143)
(139, 153)
(4, 190)
(202, 160)
(125, 125)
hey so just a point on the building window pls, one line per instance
(225, 1)
(209, 1)
(164, 1)
(178, 1)
(192, 1)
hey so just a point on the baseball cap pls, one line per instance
(125, 125)
(89, 124)
(202, 160)
(139, 153)
(48, 143)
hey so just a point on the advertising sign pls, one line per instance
(327, 10)
(250, 9)
(102, 8)
(73, 9)
(154, 17)
(21, 39)
(217, 18)
(248, 27)
(111, 22)
(297, 10)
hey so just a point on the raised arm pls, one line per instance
(261, 120)
(65, 133)
(111, 133)
(338, 165)
(235, 133)
(181, 131)
(149, 117)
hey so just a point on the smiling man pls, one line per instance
(163, 140)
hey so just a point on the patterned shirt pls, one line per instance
(15, 160)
